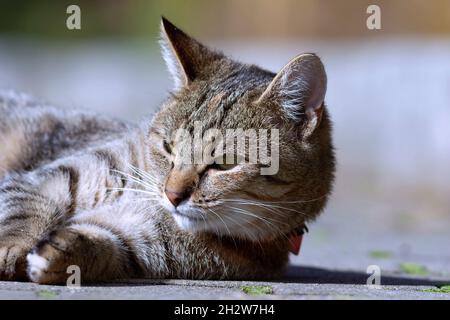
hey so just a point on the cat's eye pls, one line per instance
(167, 147)
(222, 166)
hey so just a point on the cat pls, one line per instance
(111, 197)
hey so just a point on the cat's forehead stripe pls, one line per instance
(213, 109)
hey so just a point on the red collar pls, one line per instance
(296, 238)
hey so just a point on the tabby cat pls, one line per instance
(112, 199)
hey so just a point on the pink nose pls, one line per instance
(175, 197)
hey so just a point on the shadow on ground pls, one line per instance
(298, 274)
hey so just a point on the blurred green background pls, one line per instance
(225, 19)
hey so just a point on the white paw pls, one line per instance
(37, 267)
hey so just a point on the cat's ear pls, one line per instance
(186, 58)
(299, 88)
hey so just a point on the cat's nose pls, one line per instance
(176, 197)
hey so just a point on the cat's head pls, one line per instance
(240, 199)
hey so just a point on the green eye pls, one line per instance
(167, 147)
(223, 166)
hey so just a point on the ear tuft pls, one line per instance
(300, 89)
(169, 56)
(186, 58)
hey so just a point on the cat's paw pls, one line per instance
(12, 261)
(49, 260)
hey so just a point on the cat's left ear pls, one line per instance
(186, 58)
(299, 88)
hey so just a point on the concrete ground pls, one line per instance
(314, 284)
(183, 289)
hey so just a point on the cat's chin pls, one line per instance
(197, 223)
(186, 217)
(188, 223)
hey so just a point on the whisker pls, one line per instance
(246, 212)
(218, 216)
(131, 190)
(247, 233)
(143, 174)
(265, 220)
(264, 206)
(267, 205)
(133, 179)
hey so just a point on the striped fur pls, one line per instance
(79, 189)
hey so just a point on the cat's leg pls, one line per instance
(122, 241)
(26, 213)
(34, 203)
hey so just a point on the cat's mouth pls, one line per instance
(186, 215)
(189, 218)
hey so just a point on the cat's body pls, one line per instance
(113, 199)
(80, 172)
